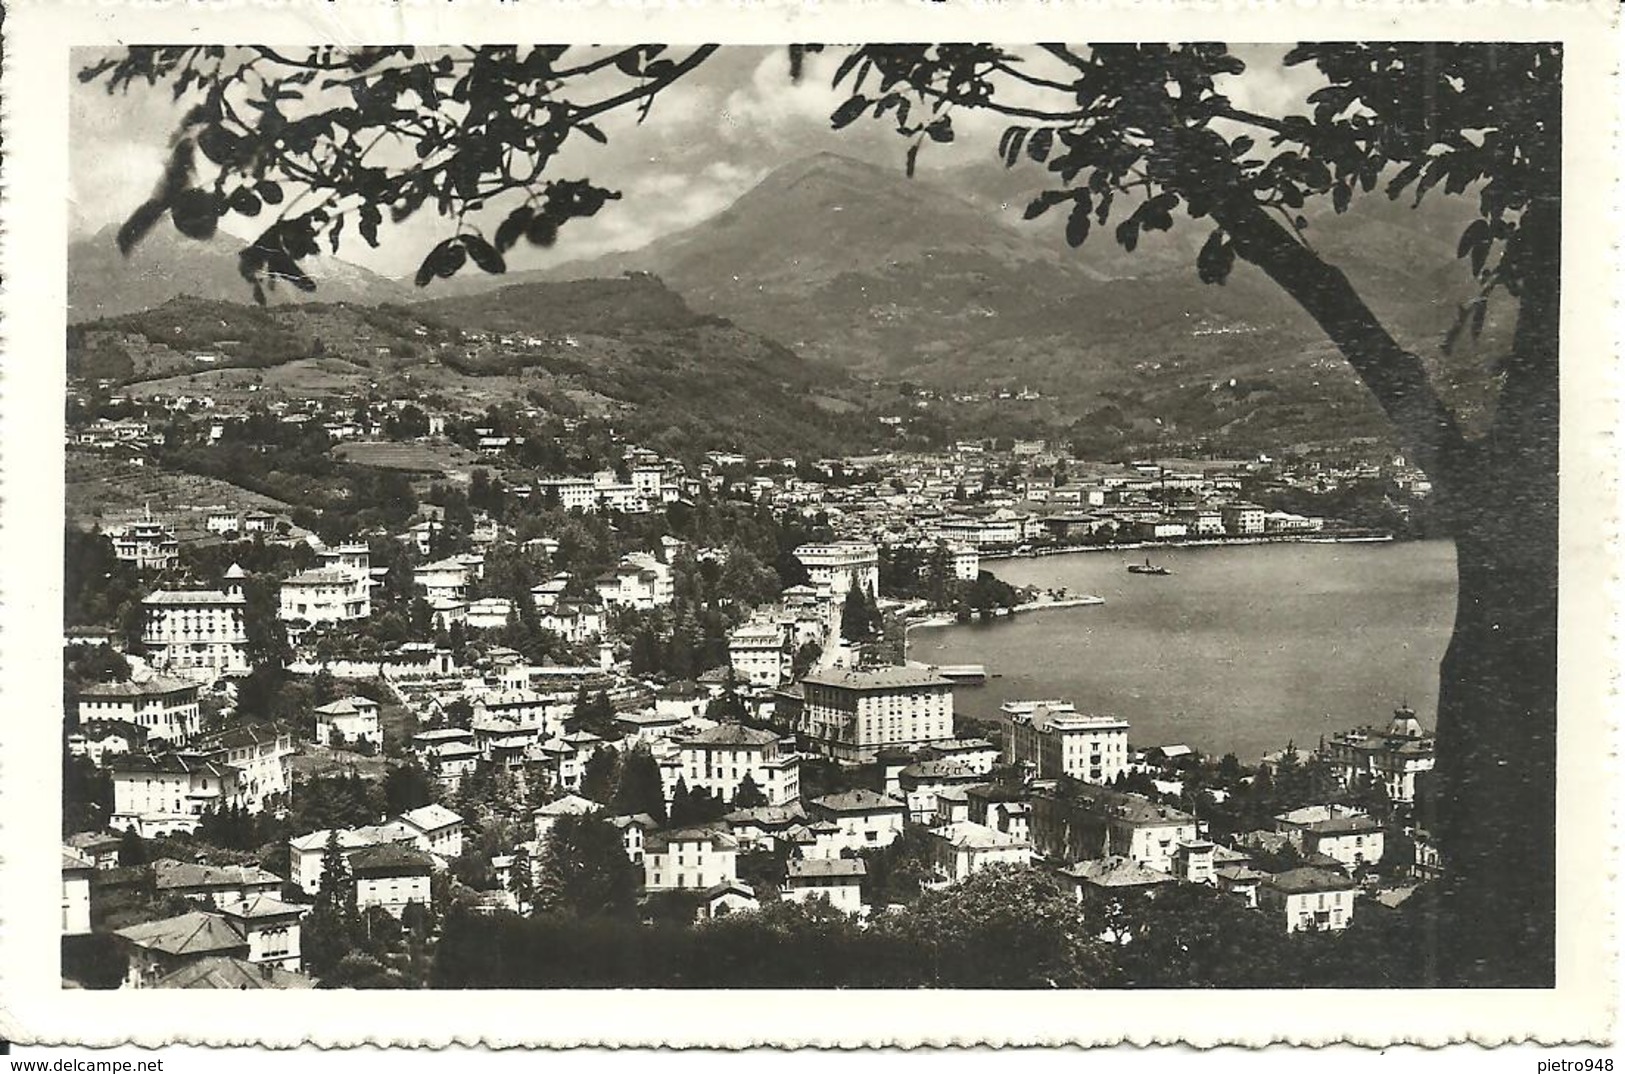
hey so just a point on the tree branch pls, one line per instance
(1395, 376)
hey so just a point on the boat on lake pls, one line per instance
(1147, 568)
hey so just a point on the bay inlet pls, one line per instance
(1236, 649)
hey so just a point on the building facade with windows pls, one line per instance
(167, 794)
(689, 859)
(843, 566)
(166, 708)
(1055, 739)
(198, 633)
(325, 595)
(717, 760)
(851, 714)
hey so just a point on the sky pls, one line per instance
(709, 138)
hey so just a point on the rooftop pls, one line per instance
(431, 817)
(187, 934)
(571, 805)
(887, 678)
(1116, 872)
(824, 867)
(193, 597)
(972, 836)
(181, 874)
(226, 972)
(732, 734)
(1310, 879)
(390, 859)
(156, 686)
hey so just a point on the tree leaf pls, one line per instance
(431, 264)
(541, 231)
(1077, 224)
(244, 202)
(371, 217)
(849, 110)
(140, 222)
(1042, 141)
(513, 226)
(1044, 202)
(194, 213)
(1477, 234)
(484, 255)
(1216, 259)
(1128, 233)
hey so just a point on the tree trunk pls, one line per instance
(1496, 780)
(1494, 802)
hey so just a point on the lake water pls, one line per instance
(1239, 649)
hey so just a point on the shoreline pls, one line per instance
(1223, 542)
(946, 620)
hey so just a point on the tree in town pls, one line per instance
(640, 789)
(328, 932)
(855, 625)
(521, 882)
(749, 795)
(583, 870)
(406, 787)
(132, 849)
(598, 776)
(1131, 134)
(1004, 927)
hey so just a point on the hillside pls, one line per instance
(628, 348)
(859, 266)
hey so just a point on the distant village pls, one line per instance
(299, 746)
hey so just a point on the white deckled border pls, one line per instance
(34, 1009)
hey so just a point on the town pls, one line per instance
(508, 700)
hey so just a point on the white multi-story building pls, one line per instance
(353, 718)
(168, 794)
(718, 760)
(305, 852)
(440, 831)
(1057, 740)
(689, 859)
(262, 757)
(1392, 757)
(76, 873)
(166, 708)
(967, 562)
(843, 566)
(639, 581)
(849, 714)
(759, 653)
(199, 633)
(355, 558)
(575, 623)
(965, 848)
(1309, 899)
(392, 876)
(1244, 518)
(574, 493)
(863, 818)
(839, 880)
(147, 544)
(325, 595)
(488, 613)
(444, 579)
